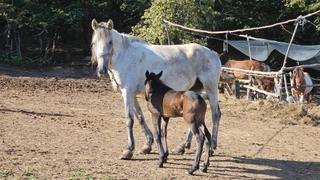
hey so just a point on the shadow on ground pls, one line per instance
(251, 168)
(3, 110)
(63, 71)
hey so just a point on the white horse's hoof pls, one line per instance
(126, 155)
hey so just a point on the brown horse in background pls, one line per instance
(246, 65)
(265, 83)
(164, 102)
(299, 81)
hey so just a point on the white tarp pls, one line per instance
(262, 48)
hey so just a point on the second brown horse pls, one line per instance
(246, 65)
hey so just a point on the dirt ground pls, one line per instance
(56, 125)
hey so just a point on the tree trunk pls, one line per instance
(18, 43)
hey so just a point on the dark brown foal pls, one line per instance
(166, 103)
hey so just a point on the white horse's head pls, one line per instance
(101, 45)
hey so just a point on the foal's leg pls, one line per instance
(147, 146)
(200, 139)
(207, 153)
(164, 137)
(180, 149)
(128, 98)
(157, 136)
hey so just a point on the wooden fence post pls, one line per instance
(237, 89)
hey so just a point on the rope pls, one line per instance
(201, 35)
(239, 30)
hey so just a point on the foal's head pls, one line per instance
(298, 77)
(151, 81)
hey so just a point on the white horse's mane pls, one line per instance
(128, 39)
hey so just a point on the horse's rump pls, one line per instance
(246, 65)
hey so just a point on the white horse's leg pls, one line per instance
(147, 146)
(128, 98)
(211, 87)
(216, 115)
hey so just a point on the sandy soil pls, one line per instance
(74, 128)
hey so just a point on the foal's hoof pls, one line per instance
(204, 169)
(165, 159)
(145, 150)
(192, 170)
(187, 146)
(179, 150)
(160, 165)
(211, 152)
(126, 155)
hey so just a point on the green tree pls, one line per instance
(310, 33)
(226, 15)
(44, 26)
(186, 12)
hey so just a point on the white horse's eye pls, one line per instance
(110, 42)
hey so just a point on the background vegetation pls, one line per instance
(58, 31)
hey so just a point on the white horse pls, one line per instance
(126, 60)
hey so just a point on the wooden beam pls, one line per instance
(313, 85)
(250, 72)
(237, 89)
(261, 91)
(302, 66)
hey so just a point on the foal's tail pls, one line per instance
(206, 133)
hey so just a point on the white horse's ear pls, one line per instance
(94, 24)
(147, 73)
(110, 24)
(160, 74)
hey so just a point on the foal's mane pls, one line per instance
(157, 84)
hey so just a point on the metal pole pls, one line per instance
(291, 40)
(249, 48)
